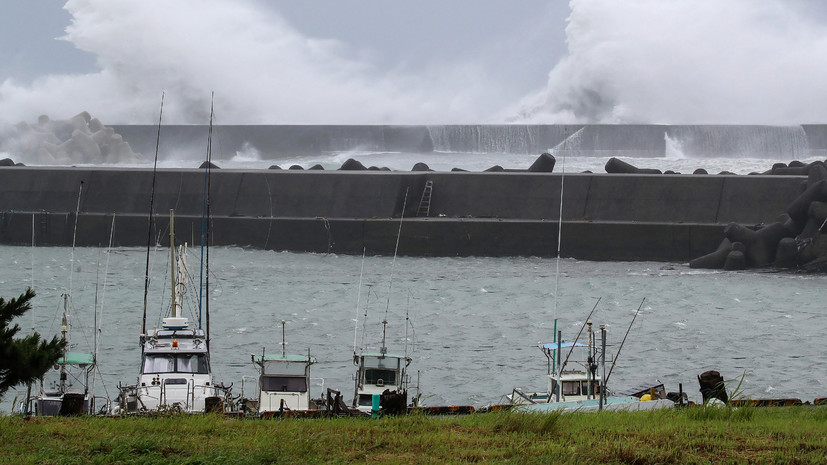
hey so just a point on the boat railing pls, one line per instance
(320, 383)
(163, 399)
(520, 393)
(244, 381)
(106, 404)
(190, 394)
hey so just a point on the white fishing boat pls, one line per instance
(583, 382)
(583, 388)
(379, 374)
(382, 380)
(381, 377)
(284, 382)
(175, 361)
(175, 358)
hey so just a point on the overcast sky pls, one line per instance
(428, 61)
(390, 34)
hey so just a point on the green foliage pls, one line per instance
(26, 359)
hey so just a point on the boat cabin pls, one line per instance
(576, 385)
(284, 382)
(65, 390)
(377, 373)
(175, 370)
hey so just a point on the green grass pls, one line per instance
(691, 435)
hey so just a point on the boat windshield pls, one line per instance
(178, 363)
(579, 388)
(379, 376)
(284, 384)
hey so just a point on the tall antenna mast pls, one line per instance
(149, 228)
(358, 300)
(172, 274)
(384, 349)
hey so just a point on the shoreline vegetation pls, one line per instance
(687, 435)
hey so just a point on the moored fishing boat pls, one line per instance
(584, 387)
(283, 383)
(175, 362)
(378, 375)
(572, 385)
(66, 389)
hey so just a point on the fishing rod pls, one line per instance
(624, 340)
(588, 318)
(149, 228)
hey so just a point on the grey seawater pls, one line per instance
(476, 321)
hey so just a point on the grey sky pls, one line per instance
(28, 45)
(389, 35)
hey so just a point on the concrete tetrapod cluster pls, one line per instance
(79, 139)
(797, 239)
(543, 164)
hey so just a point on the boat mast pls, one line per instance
(589, 362)
(149, 228)
(64, 335)
(283, 340)
(172, 275)
(64, 327)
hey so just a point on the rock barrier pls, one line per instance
(797, 239)
(79, 139)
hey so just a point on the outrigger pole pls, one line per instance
(624, 338)
(149, 228)
(588, 320)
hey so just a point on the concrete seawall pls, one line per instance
(605, 217)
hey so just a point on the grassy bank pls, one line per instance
(693, 435)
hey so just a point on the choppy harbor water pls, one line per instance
(476, 321)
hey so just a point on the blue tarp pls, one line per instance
(563, 345)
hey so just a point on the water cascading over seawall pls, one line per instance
(596, 140)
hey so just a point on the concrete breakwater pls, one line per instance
(605, 216)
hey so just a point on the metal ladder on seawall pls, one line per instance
(425, 202)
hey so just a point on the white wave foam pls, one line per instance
(262, 69)
(686, 62)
